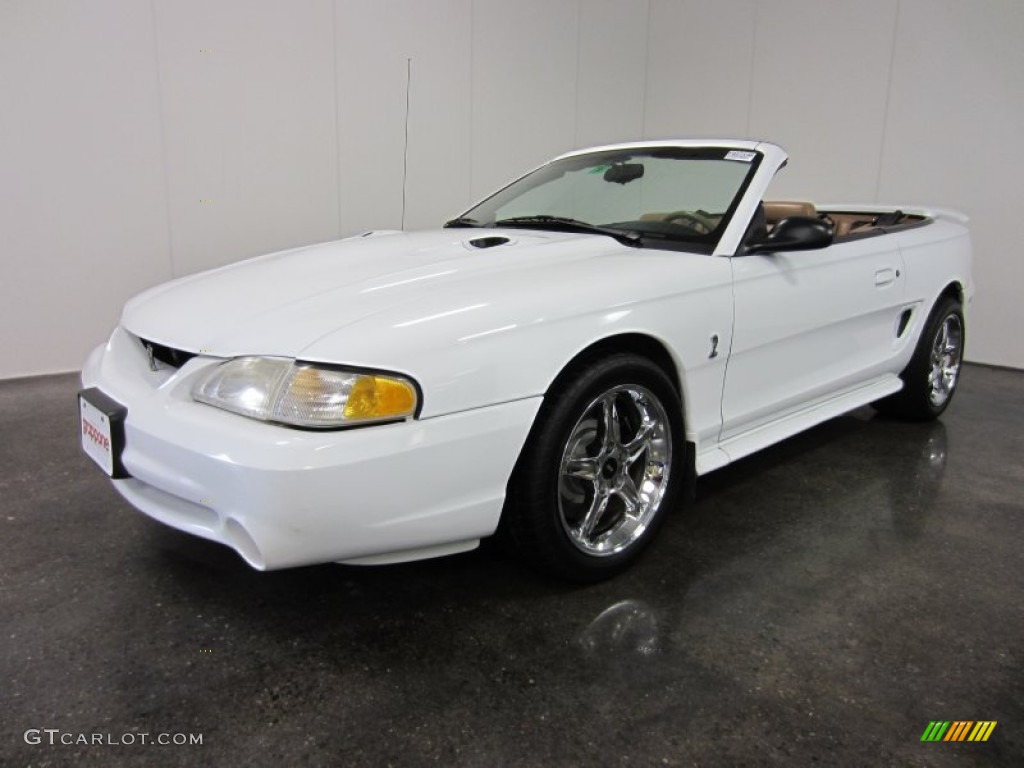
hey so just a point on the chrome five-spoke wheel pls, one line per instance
(602, 468)
(614, 470)
(947, 350)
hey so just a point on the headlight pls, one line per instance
(305, 395)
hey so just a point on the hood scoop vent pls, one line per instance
(489, 242)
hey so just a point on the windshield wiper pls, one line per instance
(462, 221)
(622, 235)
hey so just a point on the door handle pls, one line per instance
(885, 276)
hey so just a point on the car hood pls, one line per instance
(283, 303)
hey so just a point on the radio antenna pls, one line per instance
(405, 158)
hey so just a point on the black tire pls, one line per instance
(584, 465)
(931, 377)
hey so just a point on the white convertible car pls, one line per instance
(555, 365)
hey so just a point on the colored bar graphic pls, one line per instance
(935, 730)
(982, 730)
(958, 730)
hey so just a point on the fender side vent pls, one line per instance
(904, 322)
(488, 242)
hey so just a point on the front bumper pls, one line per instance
(283, 497)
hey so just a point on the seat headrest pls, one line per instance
(777, 210)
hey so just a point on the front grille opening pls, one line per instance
(167, 355)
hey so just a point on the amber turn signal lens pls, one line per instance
(380, 397)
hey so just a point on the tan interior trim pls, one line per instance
(777, 210)
(846, 223)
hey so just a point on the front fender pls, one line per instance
(493, 343)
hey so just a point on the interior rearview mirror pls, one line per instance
(623, 173)
(797, 233)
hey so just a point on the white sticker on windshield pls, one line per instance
(736, 154)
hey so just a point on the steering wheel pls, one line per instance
(694, 220)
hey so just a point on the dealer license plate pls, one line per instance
(102, 428)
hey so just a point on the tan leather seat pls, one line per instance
(844, 226)
(851, 224)
(777, 210)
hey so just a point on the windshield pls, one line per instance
(670, 193)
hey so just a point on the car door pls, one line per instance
(809, 325)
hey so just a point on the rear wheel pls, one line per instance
(599, 471)
(931, 377)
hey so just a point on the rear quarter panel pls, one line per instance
(935, 255)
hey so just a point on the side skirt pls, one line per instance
(793, 423)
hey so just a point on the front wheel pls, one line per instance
(931, 376)
(601, 468)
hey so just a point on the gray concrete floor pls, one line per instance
(819, 604)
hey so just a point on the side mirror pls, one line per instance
(797, 233)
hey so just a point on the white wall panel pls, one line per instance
(141, 140)
(612, 71)
(82, 217)
(821, 77)
(249, 127)
(524, 86)
(376, 40)
(698, 81)
(956, 118)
